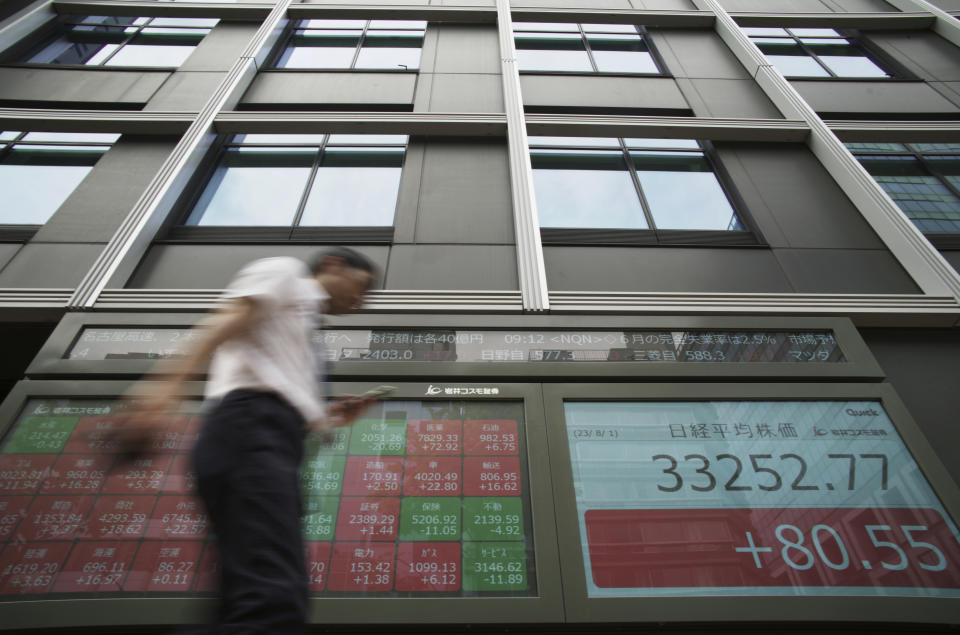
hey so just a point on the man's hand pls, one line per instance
(345, 409)
(143, 420)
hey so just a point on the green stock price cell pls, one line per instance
(494, 566)
(319, 517)
(492, 519)
(434, 518)
(322, 475)
(335, 443)
(41, 435)
(379, 437)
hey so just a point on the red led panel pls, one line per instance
(164, 566)
(92, 435)
(493, 437)
(437, 438)
(119, 517)
(491, 476)
(56, 517)
(432, 476)
(13, 509)
(373, 475)
(96, 566)
(208, 570)
(190, 434)
(368, 519)
(141, 476)
(178, 518)
(856, 547)
(77, 474)
(318, 563)
(428, 566)
(31, 567)
(361, 566)
(181, 479)
(172, 437)
(23, 473)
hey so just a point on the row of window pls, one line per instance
(580, 183)
(396, 45)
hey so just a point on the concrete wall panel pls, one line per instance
(873, 97)
(7, 252)
(595, 91)
(453, 267)
(844, 271)
(442, 92)
(185, 92)
(664, 269)
(285, 87)
(465, 194)
(697, 53)
(119, 89)
(100, 203)
(924, 53)
(727, 98)
(948, 5)
(221, 47)
(953, 257)
(467, 48)
(49, 265)
(773, 6)
(213, 266)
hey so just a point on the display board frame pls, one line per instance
(545, 607)
(52, 362)
(756, 608)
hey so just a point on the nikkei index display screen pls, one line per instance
(746, 498)
(418, 498)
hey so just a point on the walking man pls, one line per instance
(268, 383)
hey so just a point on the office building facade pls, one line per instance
(669, 290)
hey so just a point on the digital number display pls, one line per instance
(416, 498)
(371, 345)
(751, 497)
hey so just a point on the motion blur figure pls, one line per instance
(266, 384)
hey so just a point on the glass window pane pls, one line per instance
(569, 27)
(814, 32)
(949, 165)
(32, 193)
(199, 22)
(254, 188)
(102, 55)
(398, 24)
(609, 28)
(553, 60)
(353, 196)
(315, 139)
(383, 139)
(796, 66)
(150, 55)
(936, 147)
(529, 39)
(7, 135)
(388, 58)
(333, 24)
(662, 143)
(752, 30)
(688, 200)
(65, 51)
(876, 147)
(624, 62)
(596, 142)
(316, 57)
(853, 66)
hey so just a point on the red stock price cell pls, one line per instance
(178, 518)
(431, 476)
(373, 475)
(96, 566)
(31, 567)
(814, 547)
(119, 517)
(93, 435)
(13, 509)
(56, 517)
(362, 566)
(164, 566)
(207, 578)
(77, 474)
(23, 473)
(368, 519)
(318, 564)
(436, 438)
(140, 476)
(491, 437)
(491, 476)
(181, 479)
(428, 566)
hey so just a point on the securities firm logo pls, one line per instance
(848, 433)
(460, 390)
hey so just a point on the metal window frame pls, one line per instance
(545, 607)
(735, 609)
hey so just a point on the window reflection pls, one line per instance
(584, 48)
(304, 180)
(38, 171)
(124, 41)
(354, 44)
(665, 184)
(814, 52)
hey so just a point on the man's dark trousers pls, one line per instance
(247, 461)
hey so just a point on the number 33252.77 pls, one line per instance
(772, 472)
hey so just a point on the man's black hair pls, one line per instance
(350, 258)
